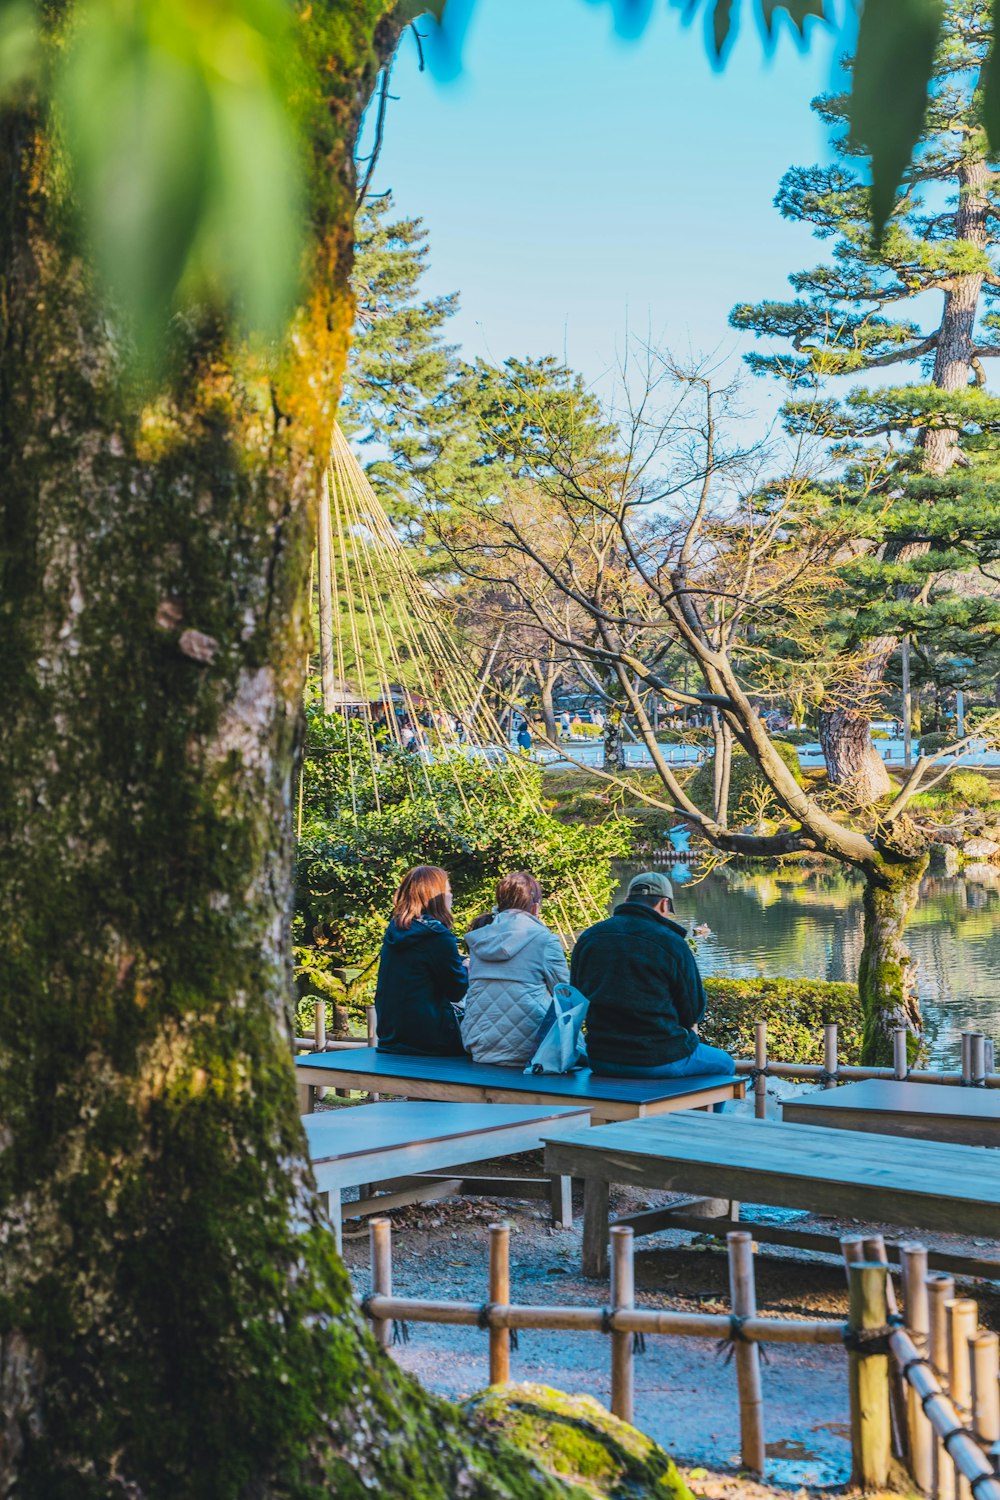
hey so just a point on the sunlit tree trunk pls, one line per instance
(886, 977)
(174, 1321)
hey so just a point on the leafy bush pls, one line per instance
(930, 744)
(971, 788)
(795, 1011)
(750, 797)
(362, 830)
(799, 736)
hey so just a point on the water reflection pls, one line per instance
(806, 923)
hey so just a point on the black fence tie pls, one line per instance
(867, 1341)
(727, 1345)
(753, 1075)
(400, 1331)
(607, 1314)
(483, 1315)
(638, 1343)
(826, 1078)
(514, 1341)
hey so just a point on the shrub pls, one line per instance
(930, 744)
(795, 1011)
(799, 736)
(749, 795)
(971, 788)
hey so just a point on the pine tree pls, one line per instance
(400, 398)
(924, 492)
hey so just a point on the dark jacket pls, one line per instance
(420, 979)
(643, 985)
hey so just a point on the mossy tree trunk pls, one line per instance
(886, 979)
(174, 1321)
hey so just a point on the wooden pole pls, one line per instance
(966, 1056)
(380, 1243)
(328, 681)
(830, 1051)
(372, 1029)
(940, 1289)
(904, 654)
(962, 1316)
(984, 1351)
(499, 1295)
(921, 1436)
(760, 1063)
(869, 1379)
(978, 1058)
(319, 1023)
(852, 1248)
(874, 1250)
(900, 1062)
(622, 1296)
(743, 1296)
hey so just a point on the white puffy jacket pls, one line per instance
(514, 965)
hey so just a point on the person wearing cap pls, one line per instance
(645, 991)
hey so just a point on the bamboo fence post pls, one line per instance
(319, 1023)
(830, 1053)
(499, 1295)
(852, 1248)
(760, 1064)
(900, 1061)
(978, 1049)
(984, 1351)
(989, 1059)
(874, 1249)
(380, 1242)
(920, 1432)
(940, 1289)
(966, 1057)
(962, 1316)
(743, 1296)
(622, 1296)
(869, 1378)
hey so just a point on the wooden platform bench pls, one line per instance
(460, 1080)
(928, 1111)
(425, 1144)
(879, 1178)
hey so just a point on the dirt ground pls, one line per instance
(685, 1389)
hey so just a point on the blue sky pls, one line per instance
(576, 184)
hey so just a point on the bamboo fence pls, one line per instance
(924, 1384)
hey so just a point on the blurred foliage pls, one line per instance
(750, 797)
(795, 1010)
(189, 173)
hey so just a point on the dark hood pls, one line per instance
(423, 927)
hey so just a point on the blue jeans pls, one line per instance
(704, 1059)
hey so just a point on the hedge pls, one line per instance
(795, 1011)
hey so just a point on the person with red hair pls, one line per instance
(421, 976)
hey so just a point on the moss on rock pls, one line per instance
(578, 1441)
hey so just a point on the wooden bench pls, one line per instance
(882, 1178)
(930, 1111)
(460, 1080)
(367, 1144)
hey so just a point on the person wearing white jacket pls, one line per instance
(514, 965)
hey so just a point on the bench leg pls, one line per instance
(331, 1200)
(561, 1189)
(305, 1093)
(596, 1195)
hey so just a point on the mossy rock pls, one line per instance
(749, 795)
(578, 1441)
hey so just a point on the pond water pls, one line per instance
(806, 923)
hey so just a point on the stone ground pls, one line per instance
(685, 1390)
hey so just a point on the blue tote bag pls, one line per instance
(560, 1046)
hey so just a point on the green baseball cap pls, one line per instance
(650, 883)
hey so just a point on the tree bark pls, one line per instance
(614, 748)
(886, 979)
(174, 1320)
(852, 762)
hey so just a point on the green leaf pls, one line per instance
(188, 174)
(798, 12)
(897, 40)
(20, 54)
(991, 83)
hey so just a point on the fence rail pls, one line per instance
(923, 1386)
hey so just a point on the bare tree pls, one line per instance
(666, 540)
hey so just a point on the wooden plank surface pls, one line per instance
(923, 1184)
(966, 1116)
(460, 1079)
(398, 1138)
